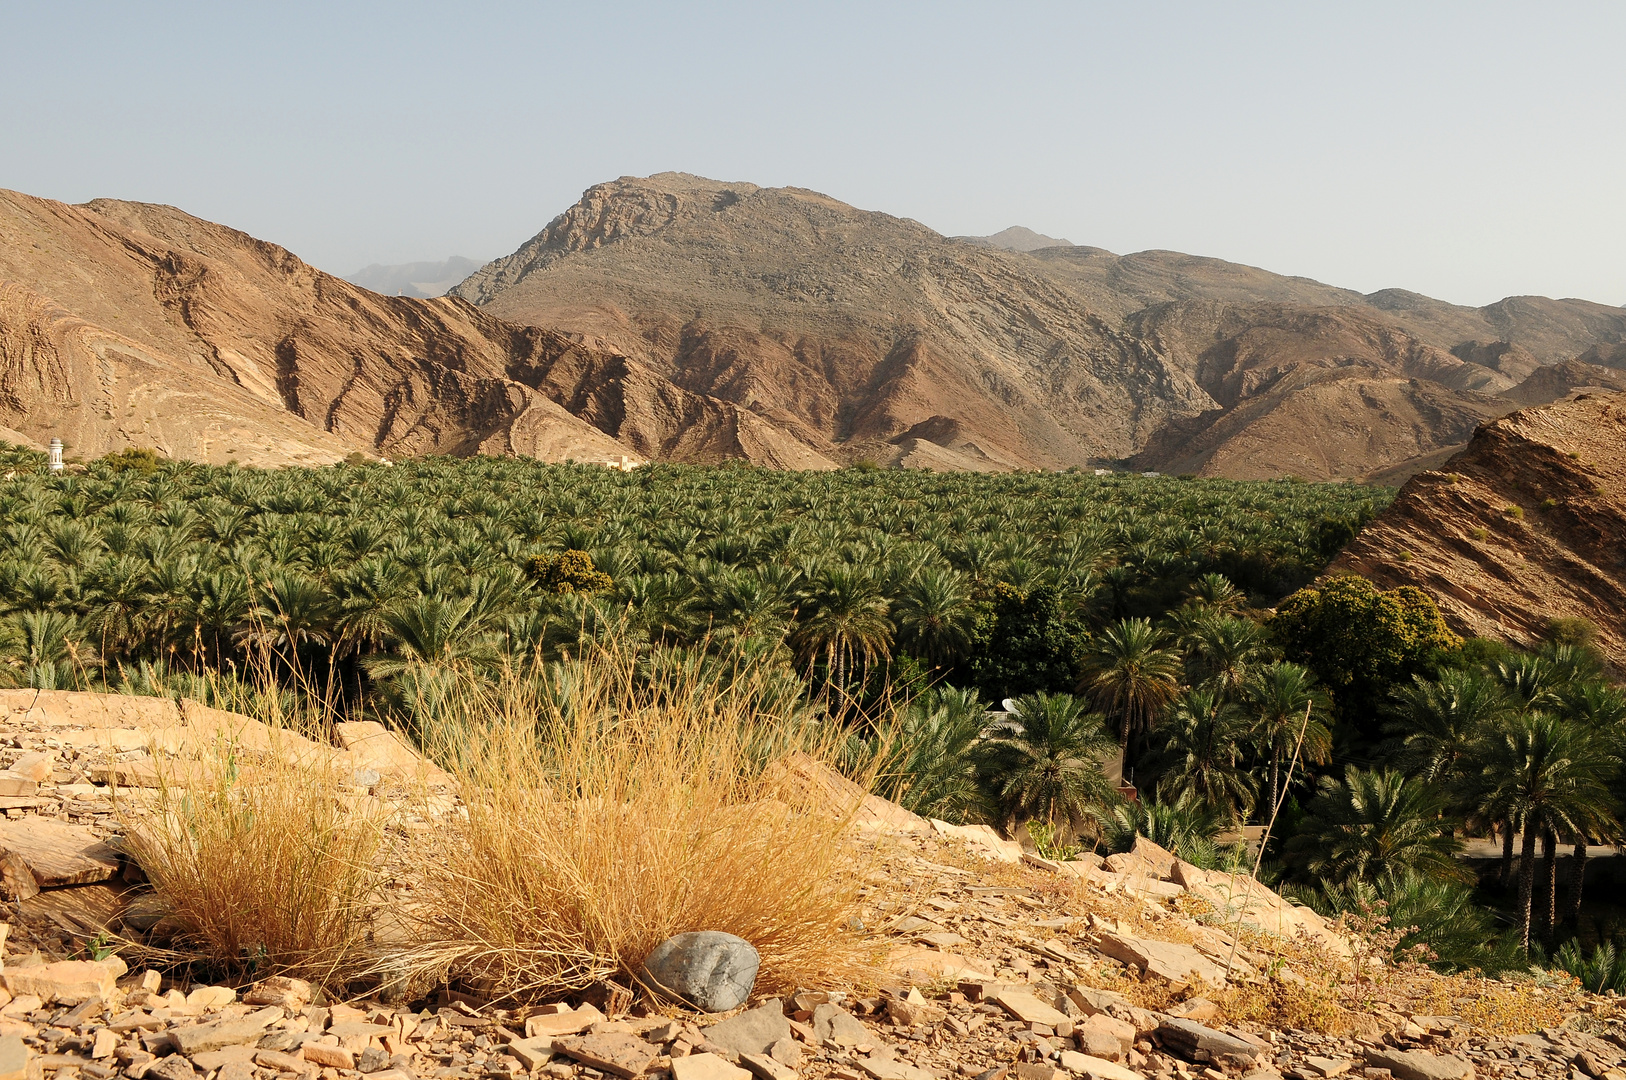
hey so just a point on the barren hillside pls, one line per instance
(1525, 525)
(131, 324)
(862, 333)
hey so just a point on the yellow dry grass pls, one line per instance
(612, 804)
(264, 859)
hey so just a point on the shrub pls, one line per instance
(620, 803)
(1186, 827)
(1360, 639)
(570, 572)
(132, 459)
(1601, 971)
(264, 861)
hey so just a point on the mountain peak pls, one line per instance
(1017, 238)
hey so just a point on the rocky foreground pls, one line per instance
(990, 962)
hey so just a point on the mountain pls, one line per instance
(1524, 525)
(678, 318)
(420, 279)
(1016, 238)
(128, 324)
(862, 335)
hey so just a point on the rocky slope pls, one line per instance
(131, 324)
(861, 334)
(997, 963)
(1527, 524)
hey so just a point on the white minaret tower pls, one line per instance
(56, 455)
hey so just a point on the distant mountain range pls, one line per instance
(420, 279)
(862, 335)
(678, 318)
(1016, 238)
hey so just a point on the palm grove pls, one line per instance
(1117, 615)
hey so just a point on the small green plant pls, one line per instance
(101, 946)
(1603, 970)
(1479, 532)
(1404, 556)
(1050, 845)
(1549, 504)
(1515, 512)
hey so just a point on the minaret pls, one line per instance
(56, 455)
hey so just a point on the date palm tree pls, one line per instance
(1376, 822)
(1049, 765)
(844, 619)
(1285, 706)
(1132, 675)
(1201, 757)
(1543, 774)
(938, 737)
(934, 616)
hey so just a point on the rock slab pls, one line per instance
(1190, 1039)
(1420, 1065)
(752, 1031)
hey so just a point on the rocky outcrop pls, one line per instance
(1523, 526)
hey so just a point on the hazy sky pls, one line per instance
(1468, 151)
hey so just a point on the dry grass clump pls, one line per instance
(613, 803)
(265, 862)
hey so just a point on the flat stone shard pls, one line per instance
(291, 994)
(833, 1024)
(57, 853)
(764, 1067)
(1179, 964)
(706, 1067)
(66, 981)
(1188, 1039)
(552, 1025)
(708, 969)
(221, 1033)
(1419, 1064)
(1097, 1068)
(751, 1032)
(614, 1052)
(14, 1057)
(1029, 1009)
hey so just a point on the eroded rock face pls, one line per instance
(129, 324)
(1522, 526)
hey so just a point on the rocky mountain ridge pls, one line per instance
(856, 332)
(677, 318)
(130, 324)
(1525, 525)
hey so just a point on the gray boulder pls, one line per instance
(710, 970)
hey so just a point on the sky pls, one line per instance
(1468, 151)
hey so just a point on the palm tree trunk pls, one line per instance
(1578, 882)
(1507, 853)
(1275, 774)
(1549, 884)
(1527, 876)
